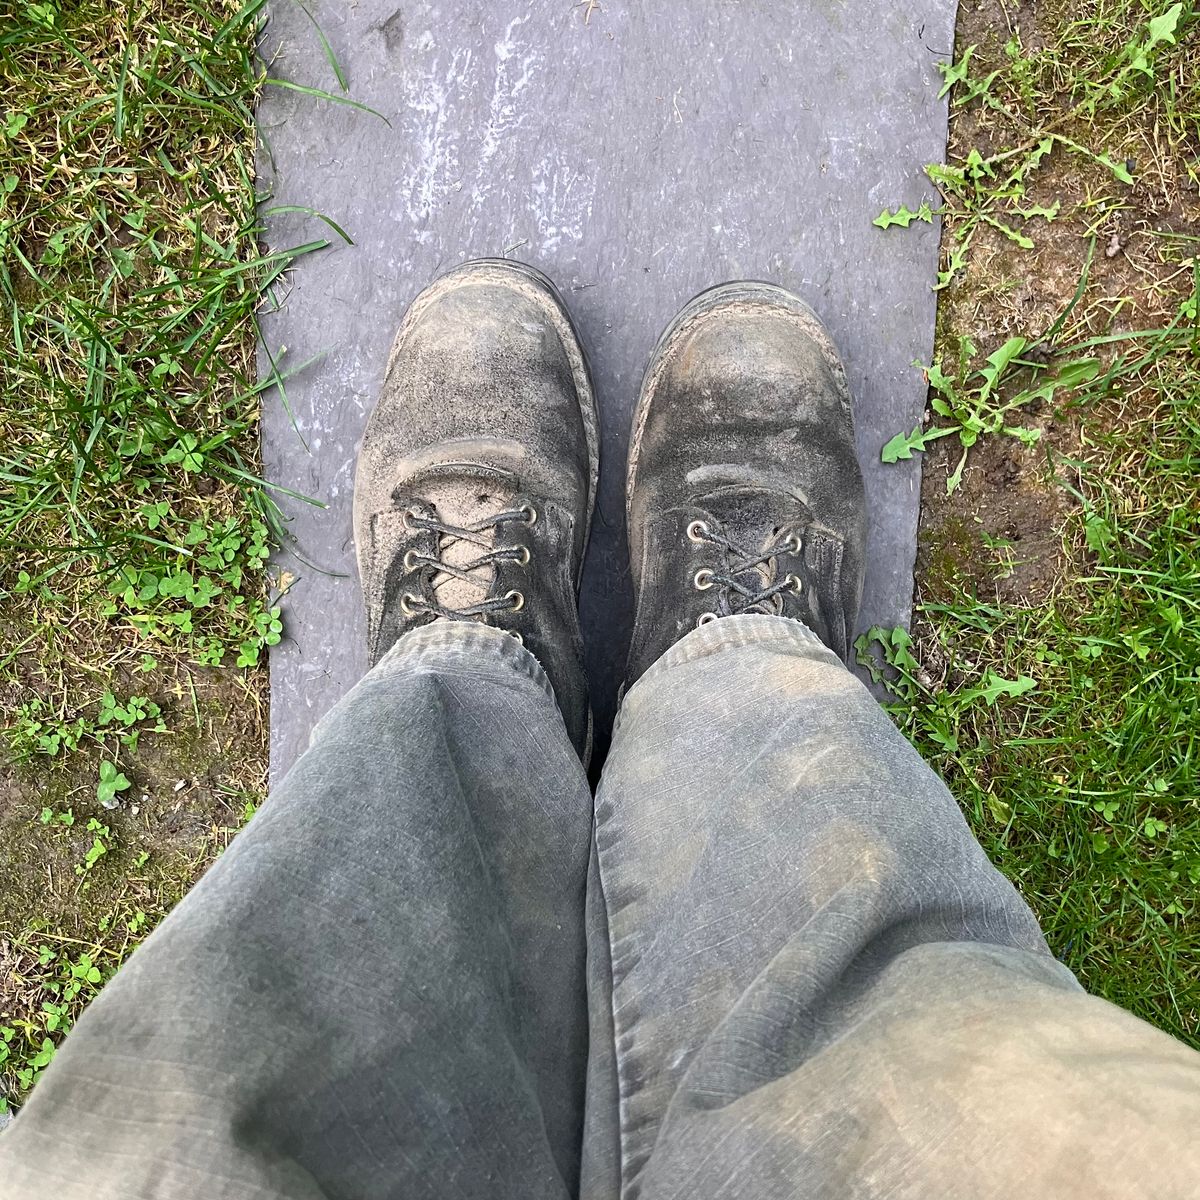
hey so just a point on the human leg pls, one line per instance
(379, 989)
(813, 981)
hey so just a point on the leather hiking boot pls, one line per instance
(477, 473)
(744, 493)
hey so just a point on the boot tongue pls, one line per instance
(754, 517)
(465, 498)
(755, 520)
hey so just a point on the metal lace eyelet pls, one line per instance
(512, 633)
(516, 601)
(793, 543)
(410, 560)
(530, 513)
(795, 583)
(523, 556)
(697, 531)
(703, 579)
(409, 515)
(705, 619)
(407, 600)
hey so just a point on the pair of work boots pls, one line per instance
(477, 474)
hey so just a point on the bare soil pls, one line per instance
(189, 788)
(1000, 534)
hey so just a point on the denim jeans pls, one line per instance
(769, 961)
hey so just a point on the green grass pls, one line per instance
(130, 271)
(51, 974)
(135, 604)
(1066, 721)
(1084, 787)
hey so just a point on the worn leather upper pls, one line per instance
(744, 425)
(486, 410)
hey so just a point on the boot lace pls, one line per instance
(434, 571)
(747, 580)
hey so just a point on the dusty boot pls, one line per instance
(477, 473)
(744, 492)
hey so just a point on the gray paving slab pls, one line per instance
(637, 151)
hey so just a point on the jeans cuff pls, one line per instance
(728, 633)
(462, 643)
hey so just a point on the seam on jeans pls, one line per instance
(706, 640)
(612, 1004)
(521, 1068)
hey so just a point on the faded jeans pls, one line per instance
(770, 961)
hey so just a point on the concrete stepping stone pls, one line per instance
(635, 150)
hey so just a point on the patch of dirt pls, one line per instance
(1000, 536)
(189, 787)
